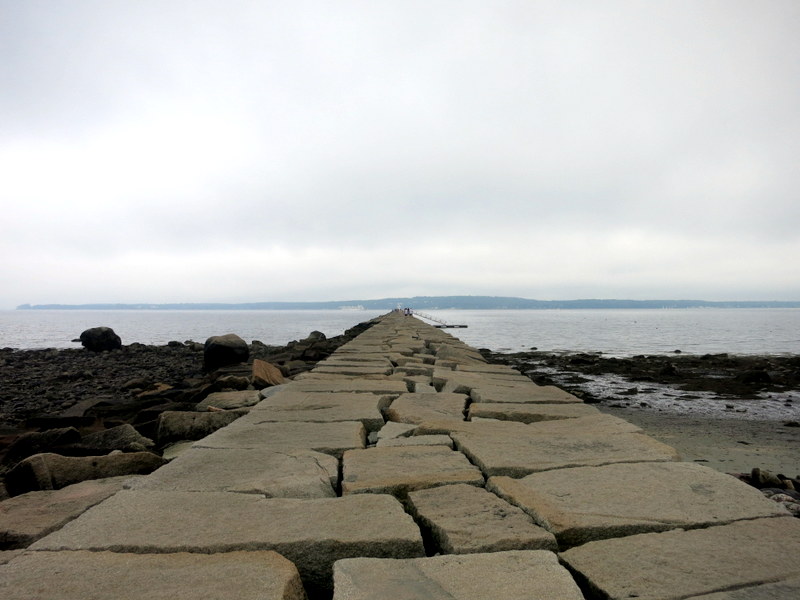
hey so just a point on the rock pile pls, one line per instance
(111, 399)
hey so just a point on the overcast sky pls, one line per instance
(197, 151)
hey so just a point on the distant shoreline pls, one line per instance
(427, 303)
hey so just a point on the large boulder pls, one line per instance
(176, 426)
(53, 471)
(266, 374)
(100, 339)
(222, 350)
(35, 442)
(123, 437)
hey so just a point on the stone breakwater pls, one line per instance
(405, 466)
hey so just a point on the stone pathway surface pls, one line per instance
(406, 467)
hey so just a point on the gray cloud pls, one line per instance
(317, 150)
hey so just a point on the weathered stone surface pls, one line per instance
(530, 393)
(262, 575)
(276, 474)
(28, 517)
(488, 368)
(53, 471)
(123, 437)
(417, 408)
(266, 374)
(780, 590)
(186, 425)
(402, 469)
(530, 413)
(392, 429)
(289, 405)
(223, 350)
(464, 519)
(516, 450)
(313, 534)
(682, 564)
(512, 575)
(330, 438)
(365, 386)
(230, 400)
(9, 555)
(356, 370)
(417, 440)
(100, 339)
(462, 382)
(644, 497)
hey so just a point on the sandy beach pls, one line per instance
(728, 445)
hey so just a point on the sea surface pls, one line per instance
(615, 332)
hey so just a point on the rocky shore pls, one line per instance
(137, 399)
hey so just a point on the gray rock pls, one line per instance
(632, 498)
(780, 590)
(274, 474)
(529, 413)
(222, 350)
(683, 564)
(417, 408)
(313, 534)
(329, 438)
(289, 405)
(53, 471)
(464, 519)
(512, 575)
(100, 339)
(263, 575)
(123, 437)
(230, 400)
(186, 425)
(398, 470)
(28, 517)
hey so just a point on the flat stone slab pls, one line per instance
(275, 474)
(512, 575)
(310, 533)
(28, 517)
(462, 382)
(632, 498)
(399, 470)
(530, 393)
(530, 413)
(683, 564)
(489, 368)
(416, 408)
(464, 519)
(229, 400)
(417, 440)
(330, 438)
(395, 430)
(780, 590)
(353, 370)
(362, 386)
(177, 576)
(516, 450)
(316, 407)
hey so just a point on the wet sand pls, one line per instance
(728, 445)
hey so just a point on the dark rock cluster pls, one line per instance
(724, 374)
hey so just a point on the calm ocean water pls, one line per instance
(621, 332)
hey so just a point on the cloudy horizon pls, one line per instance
(177, 151)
